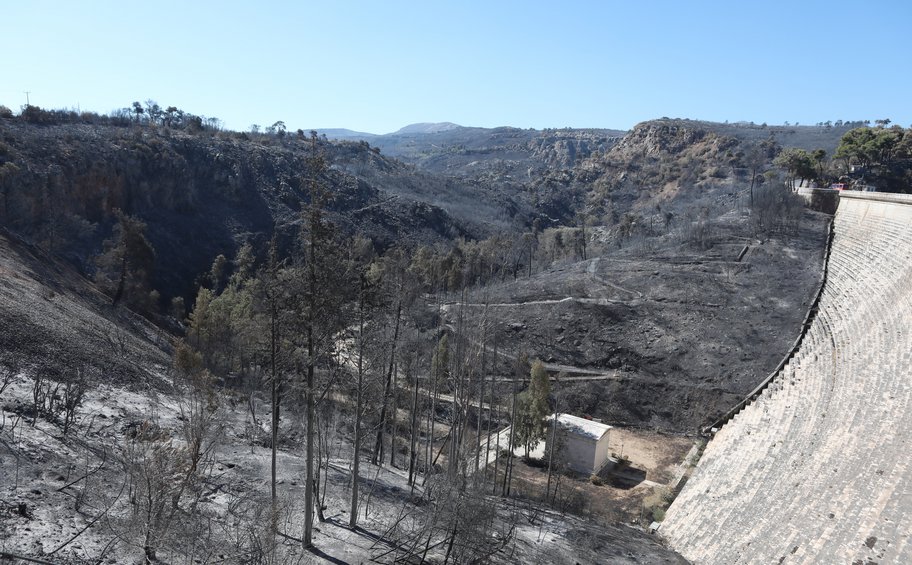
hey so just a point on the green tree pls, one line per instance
(244, 262)
(856, 148)
(819, 157)
(154, 112)
(321, 296)
(883, 154)
(271, 302)
(171, 114)
(868, 147)
(200, 331)
(217, 272)
(533, 408)
(797, 163)
(125, 266)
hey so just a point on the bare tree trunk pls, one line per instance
(753, 179)
(551, 449)
(413, 455)
(432, 420)
(276, 405)
(450, 544)
(491, 409)
(531, 255)
(377, 457)
(433, 403)
(321, 447)
(508, 472)
(309, 485)
(315, 201)
(356, 457)
(454, 439)
(481, 392)
(394, 413)
(496, 459)
(583, 227)
(460, 395)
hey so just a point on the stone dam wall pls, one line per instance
(818, 468)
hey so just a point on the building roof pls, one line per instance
(582, 426)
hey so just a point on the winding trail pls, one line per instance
(550, 302)
(581, 374)
(590, 269)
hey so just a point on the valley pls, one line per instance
(394, 291)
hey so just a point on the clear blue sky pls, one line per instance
(376, 66)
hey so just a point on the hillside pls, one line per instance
(672, 165)
(522, 154)
(64, 182)
(75, 486)
(54, 322)
(660, 332)
(602, 173)
(635, 266)
(667, 206)
(497, 154)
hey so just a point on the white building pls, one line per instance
(583, 444)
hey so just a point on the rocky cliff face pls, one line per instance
(660, 137)
(202, 195)
(564, 149)
(665, 163)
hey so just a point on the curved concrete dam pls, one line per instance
(818, 468)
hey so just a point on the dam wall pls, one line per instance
(818, 468)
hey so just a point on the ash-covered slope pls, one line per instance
(68, 497)
(55, 323)
(660, 332)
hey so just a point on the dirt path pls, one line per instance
(591, 270)
(580, 374)
(549, 302)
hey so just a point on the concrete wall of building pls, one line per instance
(601, 452)
(577, 451)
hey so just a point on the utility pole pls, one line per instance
(27, 103)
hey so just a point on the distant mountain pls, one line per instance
(347, 134)
(409, 130)
(509, 154)
(426, 128)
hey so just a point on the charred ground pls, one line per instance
(671, 334)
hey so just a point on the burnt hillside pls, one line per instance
(204, 194)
